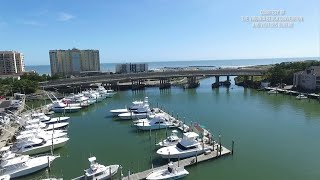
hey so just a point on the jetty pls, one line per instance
(216, 148)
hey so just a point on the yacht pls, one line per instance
(24, 165)
(133, 107)
(273, 91)
(172, 172)
(92, 98)
(41, 134)
(38, 145)
(6, 153)
(60, 107)
(110, 93)
(141, 112)
(56, 120)
(301, 96)
(40, 116)
(102, 91)
(187, 147)
(98, 171)
(171, 140)
(99, 97)
(5, 177)
(46, 127)
(158, 122)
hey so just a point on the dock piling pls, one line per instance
(232, 147)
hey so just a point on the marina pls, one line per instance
(142, 156)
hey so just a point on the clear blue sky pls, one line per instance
(156, 30)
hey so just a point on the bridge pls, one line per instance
(136, 78)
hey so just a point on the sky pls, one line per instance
(157, 30)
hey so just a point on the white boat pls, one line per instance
(98, 171)
(47, 127)
(110, 93)
(38, 145)
(158, 122)
(301, 96)
(172, 172)
(135, 105)
(41, 134)
(187, 147)
(40, 116)
(5, 177)
(141, 112)
(171, 140)
(6, 153)
(24, 165)
(59, 107)
(37, 130)
(273, 91)
(56, 120)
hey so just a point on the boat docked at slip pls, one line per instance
(110, 93)
(23, 165)
(172, 172)
(5, 177)
(133, 107)
(171, 140)
(273, 91)
(157, 122)
(56, 120)
(187, 147)
(32, 124)
(41, 116)
(38, 145)
(98, 171)
(60, 107)
(40, 134)
(141, 112)
(301, 96)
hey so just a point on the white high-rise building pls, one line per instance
(73, 61)
(11, 62)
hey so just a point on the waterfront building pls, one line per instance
(73, 61)
(131, 68)
(308, 79)
(11, 63)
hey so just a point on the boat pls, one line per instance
(187, 147)
(98, 171)
(5, 177)
(41, 134)
(158, 122)
(40, 116)
(38, 145)
(110, 93)
(273, 91)
(135, 105)
(56, 120)
(24, 165)
(60, 107)
(141, 112)
(172, 172)
(46, 127)
(171, 140)
(301, 96)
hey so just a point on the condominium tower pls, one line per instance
(11, 62)
(73, 61)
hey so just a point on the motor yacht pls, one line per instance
(38, 145)
(110, 93)
(57, 120)
(41, 134)
(158, 122)
(187, 147)
(141, 112)
(273, 91)
(40, 116)
(133, 107)
(171, 140)
(60, 107)
(172, 172)
(301, 96)
(24, 165)
(33, 124)
(98, 171)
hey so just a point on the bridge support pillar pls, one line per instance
(192, 82)
(137, 84)
(164, 84)
(217, 83)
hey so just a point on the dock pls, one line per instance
(217, 150)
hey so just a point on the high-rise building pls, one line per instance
(131, 68)
(11, 62)
(73, 61)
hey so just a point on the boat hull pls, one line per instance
(46, 148)
(183, 154)
(66, 110)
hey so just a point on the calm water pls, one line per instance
(110, 67)
(276, 137)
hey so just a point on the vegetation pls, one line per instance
(279, 73)
(27, 84)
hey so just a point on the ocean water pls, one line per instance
(110, 67)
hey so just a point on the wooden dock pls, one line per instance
(215, 149)
(182, 163)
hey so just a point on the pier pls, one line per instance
(216, 149)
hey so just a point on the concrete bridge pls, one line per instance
(137, 78)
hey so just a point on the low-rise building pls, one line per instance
(131, 68)
(308, 79)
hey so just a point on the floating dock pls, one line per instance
(217, 150)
